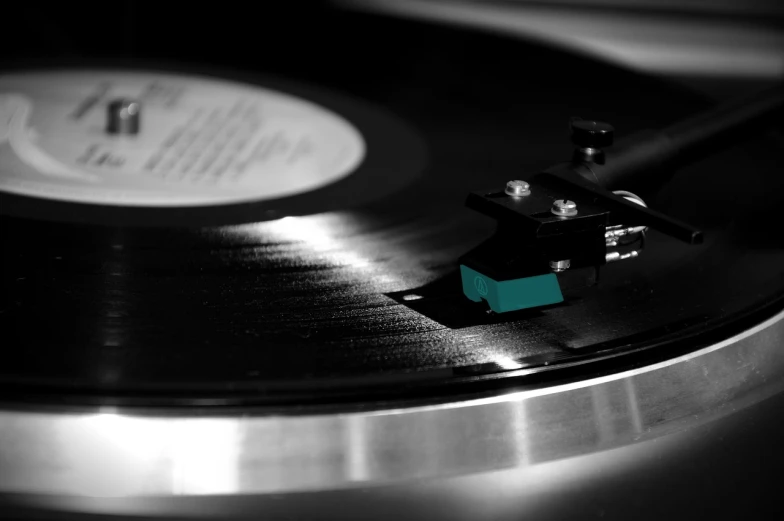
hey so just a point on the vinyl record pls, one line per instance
(347, 287)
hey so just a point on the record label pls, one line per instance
(200, 141)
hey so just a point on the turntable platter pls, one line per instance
(364, 298)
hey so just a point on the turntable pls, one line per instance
(302, 281)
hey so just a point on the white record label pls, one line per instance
(201, 141)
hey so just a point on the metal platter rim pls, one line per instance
(112, 454)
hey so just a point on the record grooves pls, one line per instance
(432, 386)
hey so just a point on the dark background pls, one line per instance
(720, 47)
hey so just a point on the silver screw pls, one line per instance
(517, 188)
(561, 265)
(564, 208)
